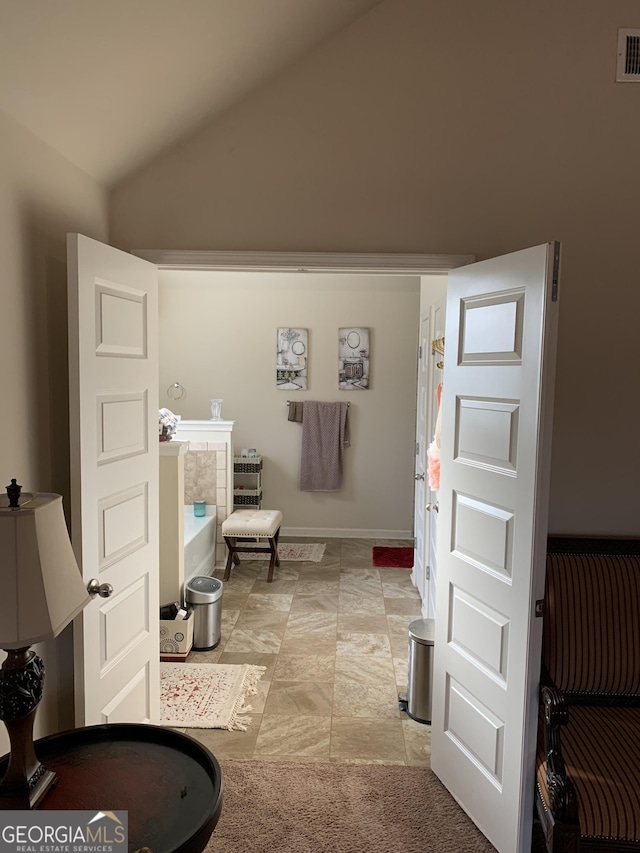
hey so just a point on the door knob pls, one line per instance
(419, 477)
(435, 507)
(94, 587)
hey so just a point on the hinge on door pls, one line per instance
(540, 607)
(420, 351)
(427, 573)
(417, 448)
(556, 272)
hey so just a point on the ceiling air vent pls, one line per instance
(628, 56)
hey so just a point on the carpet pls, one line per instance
(293, 807)
(308, 552)
(207, 695)
(393, 558)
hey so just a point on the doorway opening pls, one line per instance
(329, 291)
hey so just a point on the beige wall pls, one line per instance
(449, 126)
(42, 196)
(218, 339)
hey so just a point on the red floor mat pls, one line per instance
(392, 558)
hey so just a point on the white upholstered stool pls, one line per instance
(263, 525)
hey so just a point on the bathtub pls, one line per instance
(199, 542)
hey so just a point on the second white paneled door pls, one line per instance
(496, 427)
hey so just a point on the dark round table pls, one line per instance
(169, 783)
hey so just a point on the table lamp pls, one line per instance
(41, 591)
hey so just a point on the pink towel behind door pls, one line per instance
(325, 434)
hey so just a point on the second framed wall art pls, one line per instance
(353, 358)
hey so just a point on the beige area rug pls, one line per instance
(287, 807)
(207, 695)
(310, 552)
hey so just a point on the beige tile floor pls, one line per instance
(333, 637)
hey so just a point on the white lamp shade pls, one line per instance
(41, 587)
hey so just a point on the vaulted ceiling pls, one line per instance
(111, 83)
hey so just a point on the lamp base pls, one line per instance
(21, 680)
(30, 794)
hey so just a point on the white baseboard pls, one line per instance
(345, 533)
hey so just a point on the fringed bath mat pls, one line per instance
(207, 695)
(308, 552)
(400, 557)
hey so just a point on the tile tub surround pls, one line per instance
(208, 469)
(205, 479)
(333, 637)
(201, 475)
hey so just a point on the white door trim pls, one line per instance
(332, 262)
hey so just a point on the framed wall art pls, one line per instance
(292, 359)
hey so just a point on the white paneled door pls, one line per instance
(496, 428)
(425, 499)
(113, 402)
(419, 574)
(436, 315)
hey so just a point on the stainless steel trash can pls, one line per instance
(204, 595)
(419, 685)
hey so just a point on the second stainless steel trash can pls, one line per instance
(204, 595)
(419, 687)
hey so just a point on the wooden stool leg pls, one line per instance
(230, 556)
(276, 541)
(273, 547)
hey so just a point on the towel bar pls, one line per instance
(289, 402)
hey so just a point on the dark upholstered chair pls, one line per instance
(588, 761)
